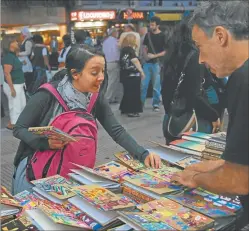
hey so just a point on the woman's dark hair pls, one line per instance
(76, 59)
(6, 42)
(179, 43)
(37, 39)
(67, 40)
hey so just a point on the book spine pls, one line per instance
(207, 157)
(195, 139)
(186, 151)
(139, 197)
(213, 152)
(210, 154)
(215, 145)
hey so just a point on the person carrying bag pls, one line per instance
(180, 118)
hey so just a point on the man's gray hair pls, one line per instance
(232, 15)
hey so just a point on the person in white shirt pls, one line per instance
(112, 55)
(130, 29)
(63, 54)
(25, 54)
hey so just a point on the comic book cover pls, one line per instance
(102, 198)
(60, 215)
(164, 173)
(143, 221)
(113, 170)
(8, 199)
(52, 131)
(202, 204)
(176, 215)
(56, 186)
(128, 160)
(152, 183)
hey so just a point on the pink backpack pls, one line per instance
(83, 152)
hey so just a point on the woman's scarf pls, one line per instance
(72, 97)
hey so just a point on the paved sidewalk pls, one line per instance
(145, 128)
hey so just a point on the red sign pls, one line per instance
(134, 15)
(93, 15)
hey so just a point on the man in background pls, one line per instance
(130, 29)
(54, 45)
(154, 48)
(112, 55)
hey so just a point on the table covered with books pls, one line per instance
(125, 195)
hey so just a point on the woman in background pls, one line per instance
(131, 73)
(179, 48)
(13, 85)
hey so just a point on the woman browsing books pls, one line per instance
(77, 85)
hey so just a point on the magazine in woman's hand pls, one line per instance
(52, 131)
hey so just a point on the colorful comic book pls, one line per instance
(56, 186)
(28, 200)
(201, 202)
(98, 177)
(8, 199)
(176, 215)
(60, 215)
(164, 173)
(152, 183)
(102, 198)
(143, 221)
(113, 170)
(128, 160)
(187, 161)
(231, 204)
(52, 131)
(82, 216)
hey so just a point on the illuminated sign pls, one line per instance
(137, 15)
(169, 16)
(93, 15)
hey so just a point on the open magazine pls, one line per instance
(52, 131)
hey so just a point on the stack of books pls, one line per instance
(198, 145)
(214, 144)
(147, 200)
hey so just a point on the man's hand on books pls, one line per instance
(185, 178)
(153, 160)
(55, 143)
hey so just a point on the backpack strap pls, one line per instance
(93, 100)
(55, 93)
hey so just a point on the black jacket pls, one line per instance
(190, 87)
(38, 112)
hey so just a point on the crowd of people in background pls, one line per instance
(135, 59)
(188, 68)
